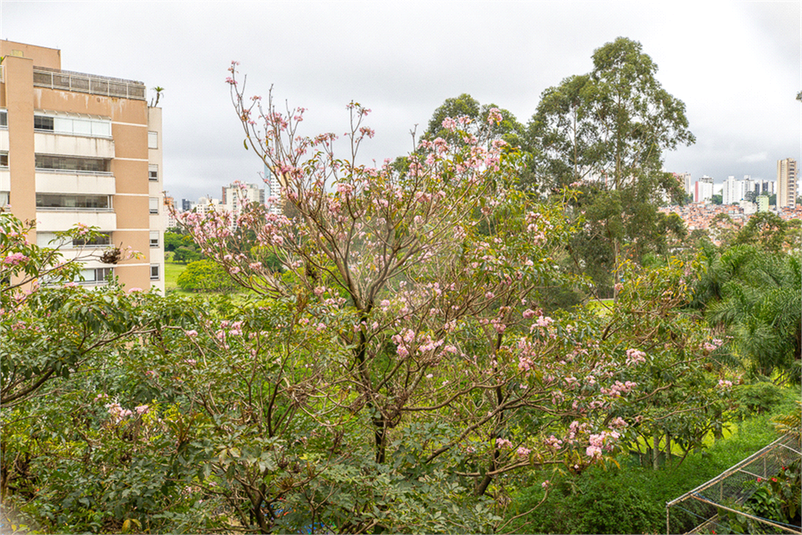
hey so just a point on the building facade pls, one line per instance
(703, 190)
(80, 148)
(786, 183)
(236, 194)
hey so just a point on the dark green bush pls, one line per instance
(597, 502)
(758, 398)
(205, 276)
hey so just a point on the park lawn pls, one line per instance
(171, 272)
(601, 307)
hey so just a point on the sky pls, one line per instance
(735, 65)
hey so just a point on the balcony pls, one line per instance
(86, 182)
(53, 219)
(67, 145)
(88, 83)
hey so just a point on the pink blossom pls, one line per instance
(503, 443)
(593, 452)
(546, 484)
(528, 313)
(618, 423)
(141, 409)
(553, 442)
(635, 356)
(523, 452)
(724, 384)
(14, 259)
(192, 333)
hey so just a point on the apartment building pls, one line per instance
(703, 189)
(82, 148)
(786, 183)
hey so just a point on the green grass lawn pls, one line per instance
(171, 272)
(601, 307)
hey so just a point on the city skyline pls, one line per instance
(737, 68)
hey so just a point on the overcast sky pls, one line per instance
(736, 65)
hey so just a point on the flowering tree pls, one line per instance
(407, 332)
(47, 331)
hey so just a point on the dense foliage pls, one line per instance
(399, 363)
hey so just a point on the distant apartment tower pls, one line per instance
(272, 192)
(685, 180)
(236, 194)
(703, 189)
(786, 183)
(80, 148)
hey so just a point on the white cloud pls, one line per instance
(734, 64)
(753, 158)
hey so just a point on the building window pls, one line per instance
(154, 205)
(100, 240)
(96, 275)
(153, 140)
(67, 163)
(5, 198)
(43, 122)
(3, 119)
(154, 238)
(73, 202)
(3, 159)
(73, 126)
(153, 171)
(154, 272)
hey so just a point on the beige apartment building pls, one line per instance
(81, 148)
(786, 183)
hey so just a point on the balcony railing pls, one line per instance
(88, 83)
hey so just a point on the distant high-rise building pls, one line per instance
(237, 194)
(82, 148)
(272, 192)
(703, 189)
(786, 183)
(685, 180)
(186, 205)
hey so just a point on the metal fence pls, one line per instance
(88, 83)
(697, 511)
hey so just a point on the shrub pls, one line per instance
(758, 398)
(205, 276)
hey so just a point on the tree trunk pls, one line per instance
(656, 451)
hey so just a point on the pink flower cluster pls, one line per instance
(724, 384)
(554, 442)
(503, 443)
(15, 259)
(635, 356)
(618, 389)
(118, 413)
(599, 442)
